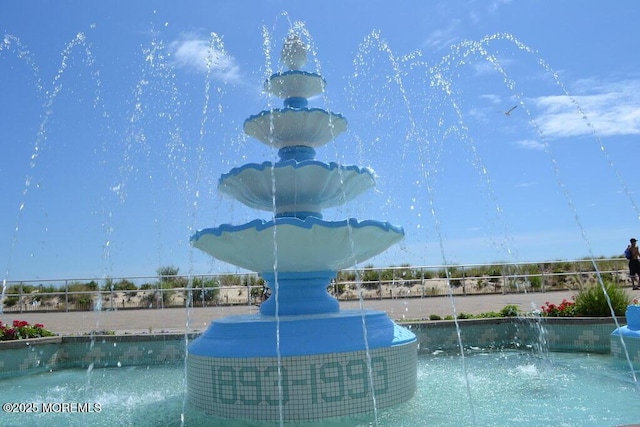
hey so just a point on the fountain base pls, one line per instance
(324, 366)
(630, 334)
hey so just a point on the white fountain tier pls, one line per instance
(288, 127)
(297, 245)
(295, 188)
(295, 84)
(301, 357)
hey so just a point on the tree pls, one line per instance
(169, 277)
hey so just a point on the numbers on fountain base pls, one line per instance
(314, 383)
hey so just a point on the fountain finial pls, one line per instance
(294, 52)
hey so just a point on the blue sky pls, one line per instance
(114, 130)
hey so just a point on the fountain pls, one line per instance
(301, 357)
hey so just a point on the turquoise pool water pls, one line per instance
(499, 389)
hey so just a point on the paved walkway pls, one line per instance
(175, 319)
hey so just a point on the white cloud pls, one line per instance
(495, 4)
(200, 56)
(486, 67)
(493, 99)
(443, 38)
(610, 109)
(531, 144)
(525, 184)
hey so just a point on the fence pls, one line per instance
(248, 289)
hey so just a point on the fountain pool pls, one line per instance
(505, 388)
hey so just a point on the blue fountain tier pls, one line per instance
(256, 336)
(297, 245)
(295, 84)
(296, 188)
(289, 127)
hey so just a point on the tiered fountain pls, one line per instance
(301, 357)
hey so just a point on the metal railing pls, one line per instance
(152, 292)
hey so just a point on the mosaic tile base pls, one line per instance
(308, 387)
(630, 346)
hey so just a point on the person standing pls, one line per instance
(634, 263)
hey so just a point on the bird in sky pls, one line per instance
(508, 113)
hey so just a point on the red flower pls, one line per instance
(21, 330)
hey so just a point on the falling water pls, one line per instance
(12, 43)
(593, 131)
(413, 135)
(215, 49)
(358, 278)
(267, 47)
(155, 99)
(442, 77)
(442, 74)
(512, 85)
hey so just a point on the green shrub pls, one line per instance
(455, 283)
(153, 299)
(535, 282)
(510, 311)
(124, 285)
(488, 315)
(592, 302)
(10, 301)
(207, 289)
(434, 317)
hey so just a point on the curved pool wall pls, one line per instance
(22, 357)
(592, 335)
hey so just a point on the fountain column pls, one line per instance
(301, 353)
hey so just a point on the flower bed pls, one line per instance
(564, 309)
(22, 330)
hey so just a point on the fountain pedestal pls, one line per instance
(300, 358)
(299, 293)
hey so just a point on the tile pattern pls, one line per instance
(577, 335)
(302, 387)
(41, 354)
